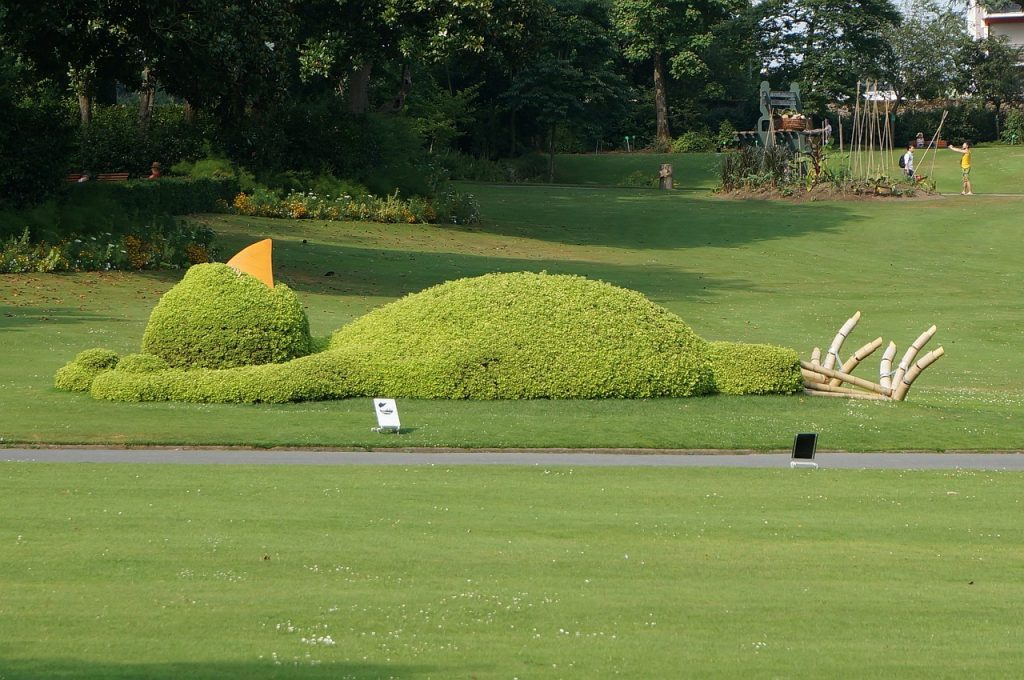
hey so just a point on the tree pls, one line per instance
(930, 52)
(572, 78)
(996, 72)
(674, 37)
(827, 45)
(343, 40)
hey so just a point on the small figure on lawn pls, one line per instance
(919, 140)
(965, 167)
(908, 161)
(155, 171)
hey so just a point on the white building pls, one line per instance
(1004, 18)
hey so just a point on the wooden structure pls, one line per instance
(828, 377)
(773, 127)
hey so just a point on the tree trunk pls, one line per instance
(398, 101)
(147, 95)
(190, 113)
(359, 88)
(513, 142)
(551, 156)
(661, 99)
(85, 109)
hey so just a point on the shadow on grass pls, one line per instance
(71, 668)
(647, 220)
(348, 270)
(13, 317)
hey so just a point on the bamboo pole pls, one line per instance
(852, 164)
(846, 377)
(816, 356)
(912, 351)
(885, 369)
(844, 395)
(933, 145)
(859, 356)
(812, 377)
(908, 380)
(839, 114)
(837, 342)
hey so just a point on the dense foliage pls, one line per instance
(755, 369)
(524, 336)
(216, 317)
(499, 336)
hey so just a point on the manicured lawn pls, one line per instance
(752, 271)
(996, 169)
(432, 572)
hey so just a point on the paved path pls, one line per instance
(894, 461)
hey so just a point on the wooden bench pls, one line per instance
(112, 177)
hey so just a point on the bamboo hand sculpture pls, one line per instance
(822, 378)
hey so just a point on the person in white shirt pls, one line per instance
(908, 161)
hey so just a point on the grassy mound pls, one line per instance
(217, 318)
(523, 336)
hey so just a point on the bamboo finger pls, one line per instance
(912, 351)
(837, 342)
(856, 395)
(915, 370)
(846, 377)
(885, 369)
(859, 356)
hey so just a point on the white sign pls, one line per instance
(387, 416)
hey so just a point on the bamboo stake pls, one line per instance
(912, 351)
(844, 395)
(846, 377)
(926, 361)
(933, 145)
(837, 342)
(852, 165)
(840, 118)
(885, 369)
(816, 356)
(812, 376)
(859, 356)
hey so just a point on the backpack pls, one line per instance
(903, 161)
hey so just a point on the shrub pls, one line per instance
(693, 142)
(217, 318)
(523, 336)
(499, 336)
(112, 142)
(141, 363)
(316, 377)
(1013, 129)
(34, 137)
(78, 374)
(163, 242)
(755, 369)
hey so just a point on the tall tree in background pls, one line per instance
(827, 45)
(673, 37)
(996, 74)
(572, 79)
(343, 40)
(930, 57)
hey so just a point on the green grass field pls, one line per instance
(129, 571)
(996, 169)
(753, 271)
(134, 571)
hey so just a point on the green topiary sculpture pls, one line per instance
(524, 336)
(218, 318)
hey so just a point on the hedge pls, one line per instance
(216, 317)
(755, 369)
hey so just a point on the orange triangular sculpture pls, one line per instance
(255, 260)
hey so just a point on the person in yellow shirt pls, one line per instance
(965, 167)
